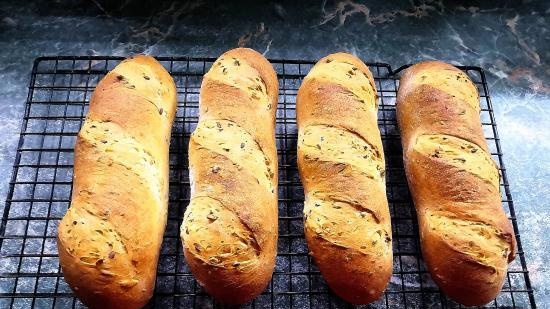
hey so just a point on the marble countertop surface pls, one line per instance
(510, 40)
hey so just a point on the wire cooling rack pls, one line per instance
(40, 190)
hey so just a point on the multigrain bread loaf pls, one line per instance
(341, 164)
(229, 231)
(467, 240)
(110, 238)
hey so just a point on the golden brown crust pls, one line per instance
(341, 165)
(229, 232)
(110, 238)
(466, 238)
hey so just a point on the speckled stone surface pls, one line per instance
(511, 41)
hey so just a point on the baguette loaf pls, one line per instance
(110, 238)
(467, 240)
(341, 164)
(229, 230)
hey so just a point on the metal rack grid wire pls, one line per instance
(40, 189)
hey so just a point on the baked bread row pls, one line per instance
(110, 238)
